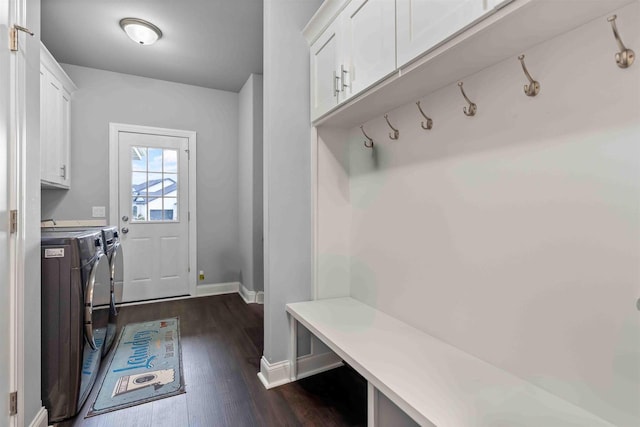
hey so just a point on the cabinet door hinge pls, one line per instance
(13, 403)
(13, 226)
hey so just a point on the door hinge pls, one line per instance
(13, 226)
(13, 36)
(13, 403)
(189, 216)
(188, 153)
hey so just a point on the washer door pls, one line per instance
(117, 275)
(99, 277)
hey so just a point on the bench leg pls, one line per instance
(293, 348)
(372, 405)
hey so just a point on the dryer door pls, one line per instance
(117, 275)
(100, 277)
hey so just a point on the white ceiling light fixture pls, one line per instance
(141, 31)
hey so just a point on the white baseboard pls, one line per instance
(316, 363)
(217, 289)
(276, 374)
(40, 420)
(273, 374)
(251, 297)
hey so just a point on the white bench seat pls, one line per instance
(431, 381)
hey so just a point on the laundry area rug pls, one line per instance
(146, 365)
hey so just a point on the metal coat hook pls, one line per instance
(429, 123)
(369, 143)
(533, 88)
(625, 57)
(473, 108)
(396, 133)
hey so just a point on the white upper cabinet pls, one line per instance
(369, 44)
(423, 24)
(325, 68)
(357, 49)
(357, 43)
(55, 117)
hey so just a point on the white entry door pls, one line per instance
(153, 211)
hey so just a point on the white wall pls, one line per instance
(250, 184)
(287, 189)
(515, 234)
(104, 97)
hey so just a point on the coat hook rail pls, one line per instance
(429, 124)
(473, 108)
(533, 88)
(396, 133)
(625, 57)
(369, 142)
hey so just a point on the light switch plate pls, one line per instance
(98, 211)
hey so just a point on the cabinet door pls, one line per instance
(50, 133)
(324, 71)
(369, 41)
(65, 134)
(423, 24)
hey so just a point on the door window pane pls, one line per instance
(154, 184)
(170, 161)
(139, 209)
(170, 209)
(139, 159)
(170, 184)
(139, 184)
(155, 159)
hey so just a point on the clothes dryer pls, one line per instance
(105, 303)
(75, 270)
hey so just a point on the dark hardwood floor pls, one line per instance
(222, 343)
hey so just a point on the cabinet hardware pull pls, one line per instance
(369, 143)
(336, 80)
(625, 57)
(429, 123)
(64, 171)
(13, 36)
(343, 72)
(473, 108)
(533, 88)
(396, 133)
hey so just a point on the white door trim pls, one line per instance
(114, 129)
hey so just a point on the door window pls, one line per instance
(154, 184)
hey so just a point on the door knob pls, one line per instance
(125, 218)
(125, 230)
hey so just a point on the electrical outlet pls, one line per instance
(201, 275)
(98, 211)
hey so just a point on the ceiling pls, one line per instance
(210, 43)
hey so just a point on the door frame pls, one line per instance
(114, 129)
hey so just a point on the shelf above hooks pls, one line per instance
(533, 88)
(396, 133)
(429, 124)
(369, 142)
(473, 108)
(625, 57)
